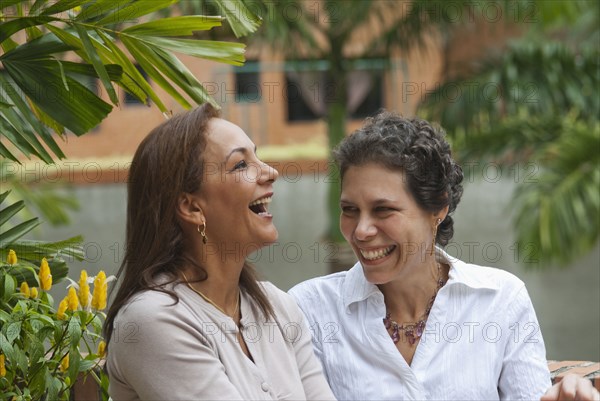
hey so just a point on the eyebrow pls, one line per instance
(376, 202)
(240, 150)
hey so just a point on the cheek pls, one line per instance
(347, 227)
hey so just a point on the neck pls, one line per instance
(407, 297)
(221, 285)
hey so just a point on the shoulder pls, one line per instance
(319, 289)
(479, 277)
(152, 306)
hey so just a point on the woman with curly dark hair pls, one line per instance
(408, 321)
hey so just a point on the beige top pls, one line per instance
(189, 351)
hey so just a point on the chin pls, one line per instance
(375, 277)
(269, 238)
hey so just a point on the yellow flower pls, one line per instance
(34, 292)
(84, 289)
(72, 300)
(2, 366)
(11, 259)
(62, 307)
(64, 363)
(45, 276)
(101, 349)
(100, 289)
(25, 289)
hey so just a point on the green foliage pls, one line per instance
(537, 103)
(34, 336)
(44, 349)
(40, 89)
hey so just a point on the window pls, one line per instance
(247, 82)
(309, 92)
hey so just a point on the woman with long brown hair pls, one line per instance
(190, 320)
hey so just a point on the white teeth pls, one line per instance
(372, 255)
(259, 201)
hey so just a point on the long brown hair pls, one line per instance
(167, 163)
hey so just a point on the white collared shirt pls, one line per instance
(482, 340)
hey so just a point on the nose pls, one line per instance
(365, 229)
(267, 173)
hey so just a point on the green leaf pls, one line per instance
(133, 73)
(7, 3)
(179, 74)
(4, 195)
(87, 364)
(141, 54)
(223, 52)
(4, 152)
(37, 249)
(36, 6)
(17, 232)
(97, 63)
(115, 71)
(63, 5)
(241, 20)
(22, 136)
(78, 109)
(7, 348)
(26, 113)
(7, 29)
(53, 386)
(174, 26)
(13, 330)
(74, 330)
(92, 10)
(74, 363)
(37, 49)
(10, 211)
(134, 10)
(9, 285)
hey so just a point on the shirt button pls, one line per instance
(264, 386)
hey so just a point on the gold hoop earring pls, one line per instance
(435, 227)
(203, 232)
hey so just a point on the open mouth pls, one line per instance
(260, 206)
(377, 254)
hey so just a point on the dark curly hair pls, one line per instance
(416, 148)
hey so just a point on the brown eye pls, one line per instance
(240, 164)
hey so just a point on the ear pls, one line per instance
(189, 210)
(441, 215)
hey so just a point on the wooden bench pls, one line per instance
(591, 370)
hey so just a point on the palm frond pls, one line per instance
(89, 29)
(558, 212)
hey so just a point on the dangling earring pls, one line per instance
(203, 232)
(435, 227)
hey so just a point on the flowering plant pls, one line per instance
(44, 349)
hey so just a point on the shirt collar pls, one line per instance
(356, 288)
(467, 274)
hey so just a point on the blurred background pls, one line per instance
(514, 84)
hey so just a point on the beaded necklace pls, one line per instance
(412, 331)
(210, 301)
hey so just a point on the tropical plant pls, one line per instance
(34, 336)
(541, 119)
(45, 348)
(40, 90)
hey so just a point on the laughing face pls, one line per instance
(236, 190)
(389, 233)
